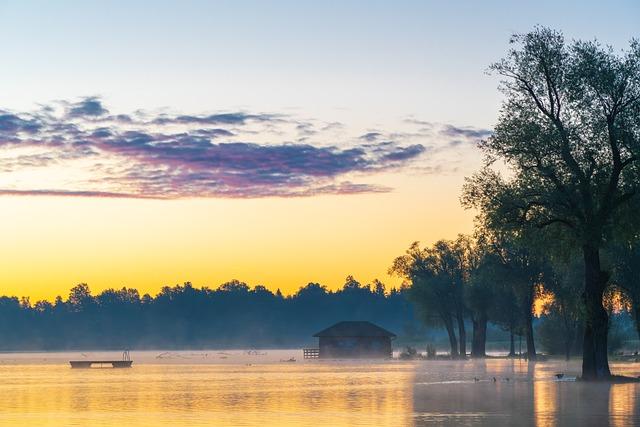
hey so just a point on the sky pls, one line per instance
(147, 143)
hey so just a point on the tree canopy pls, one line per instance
(565, 153)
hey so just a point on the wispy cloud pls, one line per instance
(462, 134)
(88, 107)
(228, 154)
(370, 136)
(72, 193)
(215, 119)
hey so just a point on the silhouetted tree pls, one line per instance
(563, 319)
(506, 312)
(432, 274)
(569, 134)
(517, 263)
(480, 297)
(625, 257)
(80, 298)
(464, 257)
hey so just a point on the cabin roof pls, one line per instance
(354, 329)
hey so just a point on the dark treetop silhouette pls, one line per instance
(183, 316)
(482, 278)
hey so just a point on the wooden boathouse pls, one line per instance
(352, 339)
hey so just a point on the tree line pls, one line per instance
(474, 281)
(233, 315)
(557, 202)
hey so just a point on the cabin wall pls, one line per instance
(354, 347)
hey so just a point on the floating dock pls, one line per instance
(89, 363)
(85, 364)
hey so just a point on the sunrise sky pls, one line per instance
(150, 143)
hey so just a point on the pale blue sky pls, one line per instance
(273, 191)
(364, 62)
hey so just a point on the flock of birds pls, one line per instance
(559, 376)
(494, 379)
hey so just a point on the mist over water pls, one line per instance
(236, 388)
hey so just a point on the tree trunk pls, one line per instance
(512, 343)
(478, 344)
(577, 342)
(462, 333)
(453, 343)
(474, 338)
(528, 322)
(569, 333)
(568, 343)
(636, 313)
(595, 363)
(531, 346)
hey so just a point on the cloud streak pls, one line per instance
(165, 156)
(460, 135)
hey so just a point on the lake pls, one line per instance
(236, 388)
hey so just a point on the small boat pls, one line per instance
(293, 359)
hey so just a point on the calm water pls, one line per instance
(238, 389)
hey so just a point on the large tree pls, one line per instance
(565, 152)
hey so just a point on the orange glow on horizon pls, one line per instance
(282, 243)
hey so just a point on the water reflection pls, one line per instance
(445, 393)
(623, 404)
(266, 395)
(523, 394)
(545, 397)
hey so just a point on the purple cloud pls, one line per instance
(176, 156)
(404, 153)
(371, 136)
(237, 118)
(72, 193)
(456, 132)
(88, 107)
(11, 124)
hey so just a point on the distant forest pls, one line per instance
(235, 315)
(184, 316)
